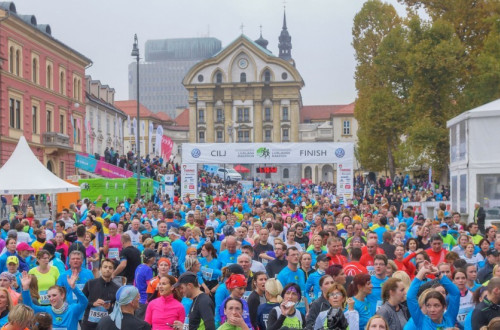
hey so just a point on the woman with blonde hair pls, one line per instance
(377, 322)
(5, 305)
(20, 318)
(273, 289)
(403, 276)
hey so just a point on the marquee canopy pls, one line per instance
(23, 173)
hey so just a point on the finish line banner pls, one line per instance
(267, 153)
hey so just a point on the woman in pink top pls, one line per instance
(112, 244)
(62, 246)
(163, 311)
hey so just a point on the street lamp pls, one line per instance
(135, 53)
(195, 96)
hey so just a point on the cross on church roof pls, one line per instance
(241, 27)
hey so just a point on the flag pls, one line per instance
(73, 127)
(150, 137)
(120, 129)
(166, 147)
(143, 128)
(78, 127)
(159, 134)
(134, 127)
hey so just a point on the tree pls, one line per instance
(377, 106)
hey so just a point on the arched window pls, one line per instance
(308, 172)
(74, 88)
(267, 76)
(61, 83)
(218, 78)
(18, 62)
(34, 69)
(11, 60)
(79, 92)
(49, 77)
(286, 173)
(243, 77)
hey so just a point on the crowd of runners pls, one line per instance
(277, 256)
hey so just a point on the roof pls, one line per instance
(130, 108)
(323, 112)
(184, 49)
(35, 178)
(183, 118)
(265, 50)
(102, 102)
(163, 116)
(176, 128)
(486, 110)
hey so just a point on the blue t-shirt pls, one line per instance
(143, 274)
(375, 298)
(227, 258)
(84, 276)
(364, 311)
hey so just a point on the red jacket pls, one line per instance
(354, 268)
(436, 257)
(337, 259)
(406, 265)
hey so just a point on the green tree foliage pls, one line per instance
(413, 75)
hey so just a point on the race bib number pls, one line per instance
(301, 303)
(207, 273)
(97, 313)
(44, 298)
(371, 270)
(186, 324)
(79, 286)
(311, 295)
(114, 253)
(461, 318)
(379, 304)
(265, 261)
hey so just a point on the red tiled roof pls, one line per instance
(323, 112)
(130, 108)
(183, 118)
(163, 116)
(175, 128)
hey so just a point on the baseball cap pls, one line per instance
(23, 246)
(444, 225)
(185, 278)
(323, 257)
(174, 231)
(148, 254)
(12, 260)
(492, 252)
(235, 269)
(236, 281)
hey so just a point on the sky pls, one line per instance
(103, 30)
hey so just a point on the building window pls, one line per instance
(243, 114)
(61, 170)
(49, 121)
(99, 123)
(201, 116)
(108, 131)
(267, 114)
(79, 90)
(219, 115)
(243, 136)
(346, 128)
(61, 124)
(267, 135)
(18, 62)
(243, 77)
(34, 70)
(11, 59)
(220, 136)
(201, 136)
(267, 76)
(77, 131)
(285, 113)
(74, 88)
(34, 119)
(286, 137)
(15, 113)
(61, 82)
(49, 76)
(308, 172)
(218, 78)
(268, 175)
(286, 173)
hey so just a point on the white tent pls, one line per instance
(475, 160)
(23, 173)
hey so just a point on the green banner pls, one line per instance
(114, 191)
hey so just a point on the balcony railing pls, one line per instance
(56, 140)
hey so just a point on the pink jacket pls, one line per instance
(163, 310)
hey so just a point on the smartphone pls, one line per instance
(108, 238)
(289, 304)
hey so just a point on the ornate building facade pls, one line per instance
(42, 92)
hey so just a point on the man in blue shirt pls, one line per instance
(75, 263)
(143, 274)
(230, 255)
(179, 247)
(292, 272)
(378, 279)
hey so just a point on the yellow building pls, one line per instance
(244, 93)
